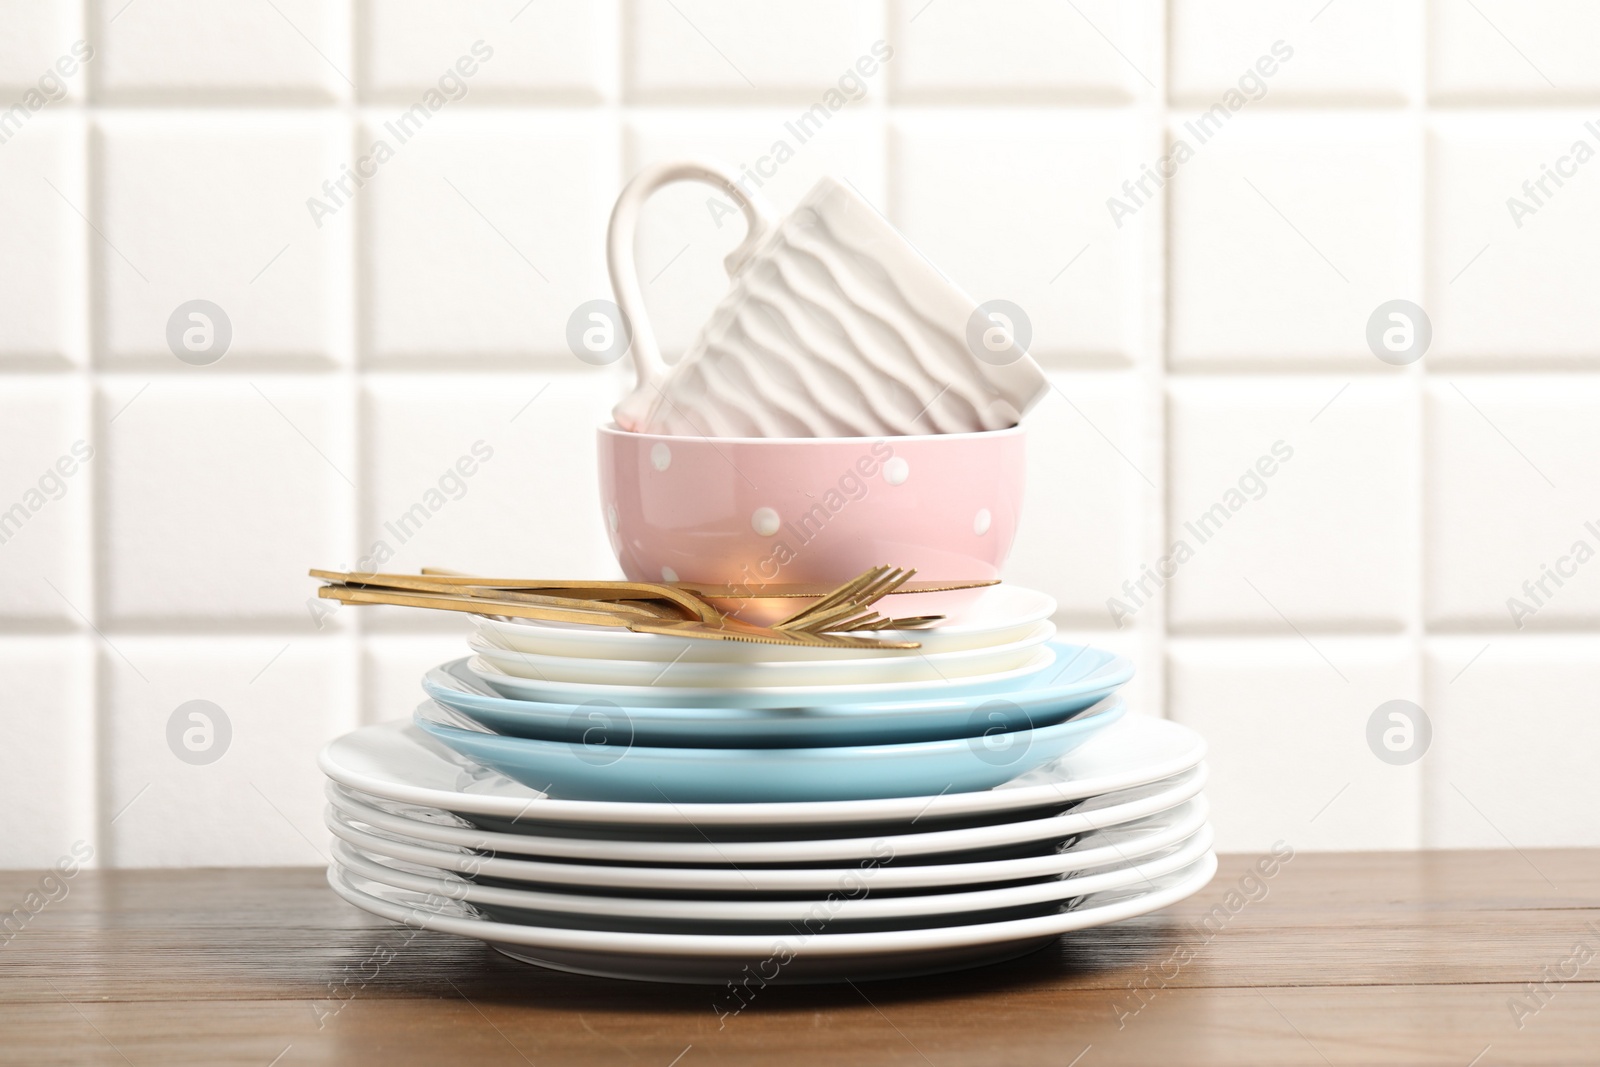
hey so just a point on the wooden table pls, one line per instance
(1339, 959)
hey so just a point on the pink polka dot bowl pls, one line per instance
(747, 511)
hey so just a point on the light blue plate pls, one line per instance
(607, 767)
(1081, 676)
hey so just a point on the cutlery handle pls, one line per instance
(593, 616)
(759, 218)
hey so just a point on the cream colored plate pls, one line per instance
(890, 666)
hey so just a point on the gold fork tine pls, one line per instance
(760, 634)
(839, 613)
(814, 590)
(872, 620)
(878, 622)
(841, 602)
(826, 620)
(910, 622)
(892, 581)
(848, 589)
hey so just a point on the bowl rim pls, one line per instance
(613, 430)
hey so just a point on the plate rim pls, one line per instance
(709, 878)
(1118, 668)
(913, 875)
(1113, 707)
(1185, 851)
(766, 813)
(817, 946)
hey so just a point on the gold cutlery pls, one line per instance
(531, 590)
(644, 607)
(597, 614)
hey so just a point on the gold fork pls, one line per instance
(455, 593)
(844, 609)
(597, 614)
(841, 610)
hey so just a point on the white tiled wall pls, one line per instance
(1206, 344)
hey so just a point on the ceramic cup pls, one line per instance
(752, 511)
(834, 326)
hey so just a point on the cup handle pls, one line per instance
(759, 221)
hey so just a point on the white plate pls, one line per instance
(397, 761)
(995, 615)
(769, 696)
(798, 957)
(1088, 817)
(1093, 850)
(1151, 800)
(852, 900)
(889, 665)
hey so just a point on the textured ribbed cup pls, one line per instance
(835, 326)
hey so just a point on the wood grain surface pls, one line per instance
(1449, 958)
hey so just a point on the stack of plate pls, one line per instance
(643, 806)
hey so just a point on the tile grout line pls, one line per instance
(356, 323)
(1161, 429)
(1419, 108)
(96, 543)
